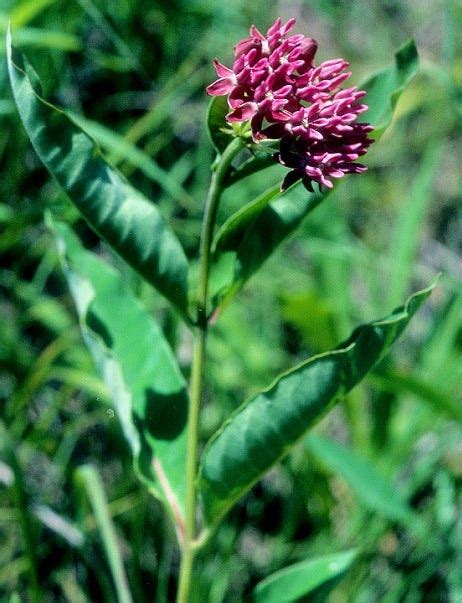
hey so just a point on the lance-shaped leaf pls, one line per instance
(262, 430)
(257, 234)
(301, 579)
(120, 214)
(134, 359)
(384, 88)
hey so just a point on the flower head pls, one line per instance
(275, 84)
(262, 82)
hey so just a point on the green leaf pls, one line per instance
(385, 88)
(216, 123)
(249, 237)
(262, 430)
(300, 579)
(121, 215)
(372, 489)
(6, 107)
(135, 361)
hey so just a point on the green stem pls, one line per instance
(210, 214)
(200, 339)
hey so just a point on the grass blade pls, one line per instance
(409, 224)
(90, 481)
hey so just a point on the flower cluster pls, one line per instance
(275, 84)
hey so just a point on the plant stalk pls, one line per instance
(200, 339)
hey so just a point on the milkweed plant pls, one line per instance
(275, 105)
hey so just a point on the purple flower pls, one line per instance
(323, 141)
(275, 84)
(261, 84)
(321, 160)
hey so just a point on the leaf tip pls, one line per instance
(407, 53)
(9, 40)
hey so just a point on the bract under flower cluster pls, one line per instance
(275, 84)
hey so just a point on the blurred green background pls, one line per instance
(384, 471)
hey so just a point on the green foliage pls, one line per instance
(253, 235)
(110, 140)
(373, 490)
(120, 214)
(260, 227)
(263, 429)
(298, 580)
(90, 482)
(147, 388)
(232, 232)
(406, 240)
(132, 75)
(385, 88)
(34, 37)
